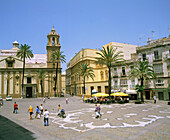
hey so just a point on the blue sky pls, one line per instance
(82, 23)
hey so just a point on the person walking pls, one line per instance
(46, 116)
(97, 110)
(31, 111)
(59, 109)
(15, 108)
(44, 100)
(154, 97)
(67, 100)
(37, 116)
(41, 109)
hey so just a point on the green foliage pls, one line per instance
(138, 102)
(108, 56)
(24, 52)
(143, 71)
(57, 57)
(139, 88)
(85, 71)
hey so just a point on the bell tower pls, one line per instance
(52, 45)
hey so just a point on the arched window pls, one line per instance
(102, 76)
(107, 74)
(53, 41)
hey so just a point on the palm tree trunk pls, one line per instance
(23, 76)
(142, 99)
(41, 88)
(84, 85)
(109, 82)
(55, 88)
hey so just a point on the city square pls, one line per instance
(118, 121)
(106, 63)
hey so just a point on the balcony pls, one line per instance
(115, 76)
(159, 84)
(123, 74)
(157, 59)
(124, 85)
(159, 73)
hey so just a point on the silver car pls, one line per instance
(8, 98)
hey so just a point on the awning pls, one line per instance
(94, 91)
(131, 91)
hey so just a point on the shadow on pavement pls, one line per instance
(10, 130)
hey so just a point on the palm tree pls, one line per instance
(143, 71)
(24, 53)
(109, 56)
(85, 71)
(58, 57)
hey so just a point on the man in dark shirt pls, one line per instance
(15, 108)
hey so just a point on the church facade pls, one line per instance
(11, 69)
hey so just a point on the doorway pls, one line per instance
(147, 95)
(106, 90)
(160, 96)
(28, 92)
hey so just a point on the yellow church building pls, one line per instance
(11, 69)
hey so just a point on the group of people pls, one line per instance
(39, 112)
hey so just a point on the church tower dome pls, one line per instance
(15, 45)
(53, 44)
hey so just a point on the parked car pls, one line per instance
(1, 101)
(8, 98)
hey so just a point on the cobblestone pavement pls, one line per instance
(119, 121)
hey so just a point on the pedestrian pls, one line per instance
(59, 109)
(44, 100)
(41, 108)
(15, 108)
(46, 116)
(31, 111)
(154, 97)
(67, 100)
(97, 110)
(83, 97)
(37, 116)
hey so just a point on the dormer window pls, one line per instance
(144, 56)
(10, 64)
(28, 80)
(123, 71)
(156, 55)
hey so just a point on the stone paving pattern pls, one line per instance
(119, 121)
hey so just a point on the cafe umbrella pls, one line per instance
(119, 94)
(100, 95)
